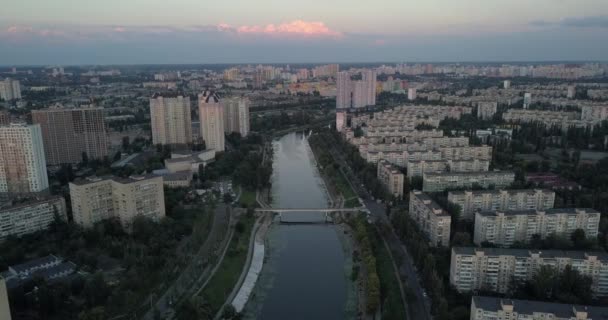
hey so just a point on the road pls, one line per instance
(193, 273)
(407, 272)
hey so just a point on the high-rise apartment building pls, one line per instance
(31, 216)
(10, 89)
(5, 118)
(69, 133)
(356, 94)
(411, 94)
(236, 115)
(390, 176)
(492, 200)
(495, 269)
(436, 182)
(527, 100)
(434, 222)
(22, 160)
(97, 199)
(343, 90)
(507, 84)
(171, 119)
(493, 308)
(211, 113)
(503, 228)
(486, 110)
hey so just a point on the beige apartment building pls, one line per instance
(97, 199)
(495, 269)
(236, 115)
(171, 119)
(430, 218)
(30, 216)
(503, 228)
(391, 178)
(486, 110)
(493, 308)
(419, 168)
(471, 201)
(68, 133)
(211, 115)
(22, 160)
(437, 182)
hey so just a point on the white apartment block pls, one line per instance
(341, 120)
(411, 94)
(22, 159)
(97, 199)
(430, 218)
(486, 110)
(437, 182)
(10, 89)
(492, 200)
(594, 113)
(391, 178)
(503, 228)
(211, 114)
(236, 115)
(493, 308)
(495, 269)
(411, 134)
(466, 153)
(401, 158)
(419, 168)
(419, 152)
(31, 216)
(171, 119)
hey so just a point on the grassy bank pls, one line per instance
(224, 280)
(392, 304)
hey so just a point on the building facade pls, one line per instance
(97, 199)
(419, 168)
(69, 133)
(434, 222)
(22, 160)
(10, 89)
(471, 201)
(503, 228)
(31, 216)
(493, 308)
(495, 269)
(211, 114)
(486, 110)
(236, 115)
(391, 178)
(171, 119)
(437, 182)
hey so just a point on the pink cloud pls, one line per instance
(380, 42)
(120, 29)
(296, 27)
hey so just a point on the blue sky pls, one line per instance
(240, 31)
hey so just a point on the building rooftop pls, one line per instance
(35, 263)
(512, 191)
(565, 311)
(533, 212)
(429, 202)
(471, 173)
(29, 202)
(546, 254)
(131, 179)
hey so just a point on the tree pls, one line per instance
(227, 197)
(85, 158)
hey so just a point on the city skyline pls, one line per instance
(313, 32)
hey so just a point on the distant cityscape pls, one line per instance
(465, 190)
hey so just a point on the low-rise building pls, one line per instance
(189, 161)
(471, 201)
(436, 182)
(27, 217)
(434, 222)
(504, 228)
(391, 178)
(496, 269)
(50, 268)
(97, 199)
(493, 308)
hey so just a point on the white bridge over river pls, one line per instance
(330, 213)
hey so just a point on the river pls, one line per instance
(306, 270)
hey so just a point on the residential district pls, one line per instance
(142, 192)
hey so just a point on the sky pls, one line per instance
(69, 32)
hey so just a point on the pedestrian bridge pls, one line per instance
(330, 213)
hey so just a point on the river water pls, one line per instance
(306, 270)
